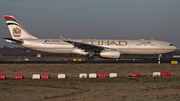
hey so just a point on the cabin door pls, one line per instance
(162, 45)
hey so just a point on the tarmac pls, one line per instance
(113, 61)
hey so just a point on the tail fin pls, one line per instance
(16, 29)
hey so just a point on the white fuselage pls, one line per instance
(106, 48)
(149, 47)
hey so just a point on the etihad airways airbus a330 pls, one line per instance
(105, 48)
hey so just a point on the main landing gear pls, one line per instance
(90, 59)
(90, 56)
(159, 58)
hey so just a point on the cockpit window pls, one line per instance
(171, 45)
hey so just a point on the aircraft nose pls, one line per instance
(175, 48)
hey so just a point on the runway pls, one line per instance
(137, 60)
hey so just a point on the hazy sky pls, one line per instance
(96, 19)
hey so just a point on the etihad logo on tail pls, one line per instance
(16, 32)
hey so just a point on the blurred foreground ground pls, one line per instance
(123, 88)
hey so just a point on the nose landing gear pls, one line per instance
(159, 58)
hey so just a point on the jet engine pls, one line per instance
(110, 54)
(79, 51)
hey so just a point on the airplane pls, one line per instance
(104, 48)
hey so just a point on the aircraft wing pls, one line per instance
(14, 41)
(86, 47)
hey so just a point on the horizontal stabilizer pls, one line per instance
(14, 41)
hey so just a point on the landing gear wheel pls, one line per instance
(90, 59)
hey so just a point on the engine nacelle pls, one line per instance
(110, 54)
(79, 51)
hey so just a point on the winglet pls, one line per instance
(62, 38)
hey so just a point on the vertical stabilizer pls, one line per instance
(16, 29)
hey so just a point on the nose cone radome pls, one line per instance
(175, 48)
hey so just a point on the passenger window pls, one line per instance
(138, 44)
(152, 44)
